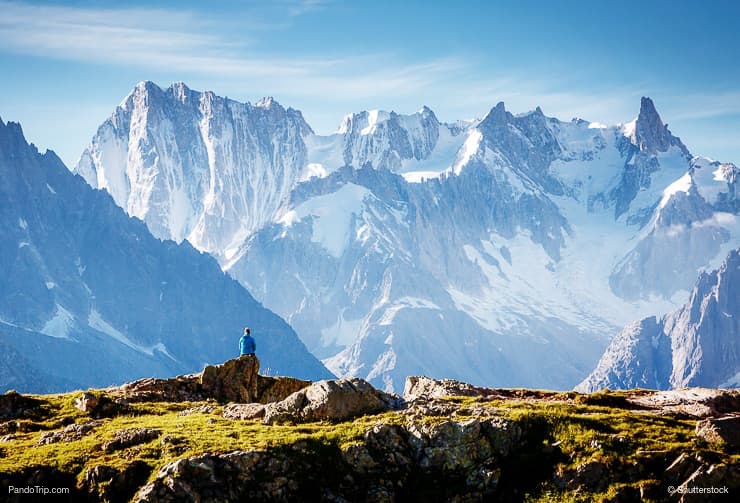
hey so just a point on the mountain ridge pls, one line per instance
(90, 297)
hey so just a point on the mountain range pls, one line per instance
(88, 297)
(504, 251)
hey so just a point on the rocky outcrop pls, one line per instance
(274, 389)
(116, 485)
(692, 402)
(176, 389)
(13, 405)
(233, 381)
(417, 462)
(331, 400)
(244, 411)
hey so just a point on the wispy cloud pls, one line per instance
(179, 41)
(300, 7)
(693, 106)
(195, 45)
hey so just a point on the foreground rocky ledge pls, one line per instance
(187, 439)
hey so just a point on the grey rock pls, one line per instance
(331, 400)
(244, 411)
(720, 430)
(130, 437)
(69, 433)
(693, 402)
(425, 387)
(86, 403)
(200, 409)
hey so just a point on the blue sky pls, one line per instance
(65, 65)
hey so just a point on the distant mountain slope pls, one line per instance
(696, 345)
(89, 298)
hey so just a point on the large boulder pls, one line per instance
(332, 400)
(233, 381)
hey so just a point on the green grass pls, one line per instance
(601, 428)
(194, 434)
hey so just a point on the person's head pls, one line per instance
(246, 330)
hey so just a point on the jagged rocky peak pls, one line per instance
(180, 91)
(267, 102)
(650, 135)
(367, 122)
(496, 117)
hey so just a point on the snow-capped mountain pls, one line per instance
(88, 297)
(696, 345)
(501, 251)
(197, 166)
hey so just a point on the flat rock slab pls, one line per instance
(694, 402)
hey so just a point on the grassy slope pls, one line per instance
(586, 428)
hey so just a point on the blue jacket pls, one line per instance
(246, 345)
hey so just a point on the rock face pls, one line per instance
(517, 219)
(331, 400)
(697, 345)
(197, 166)
(233, 381)
(114, 484)
(90, 298)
